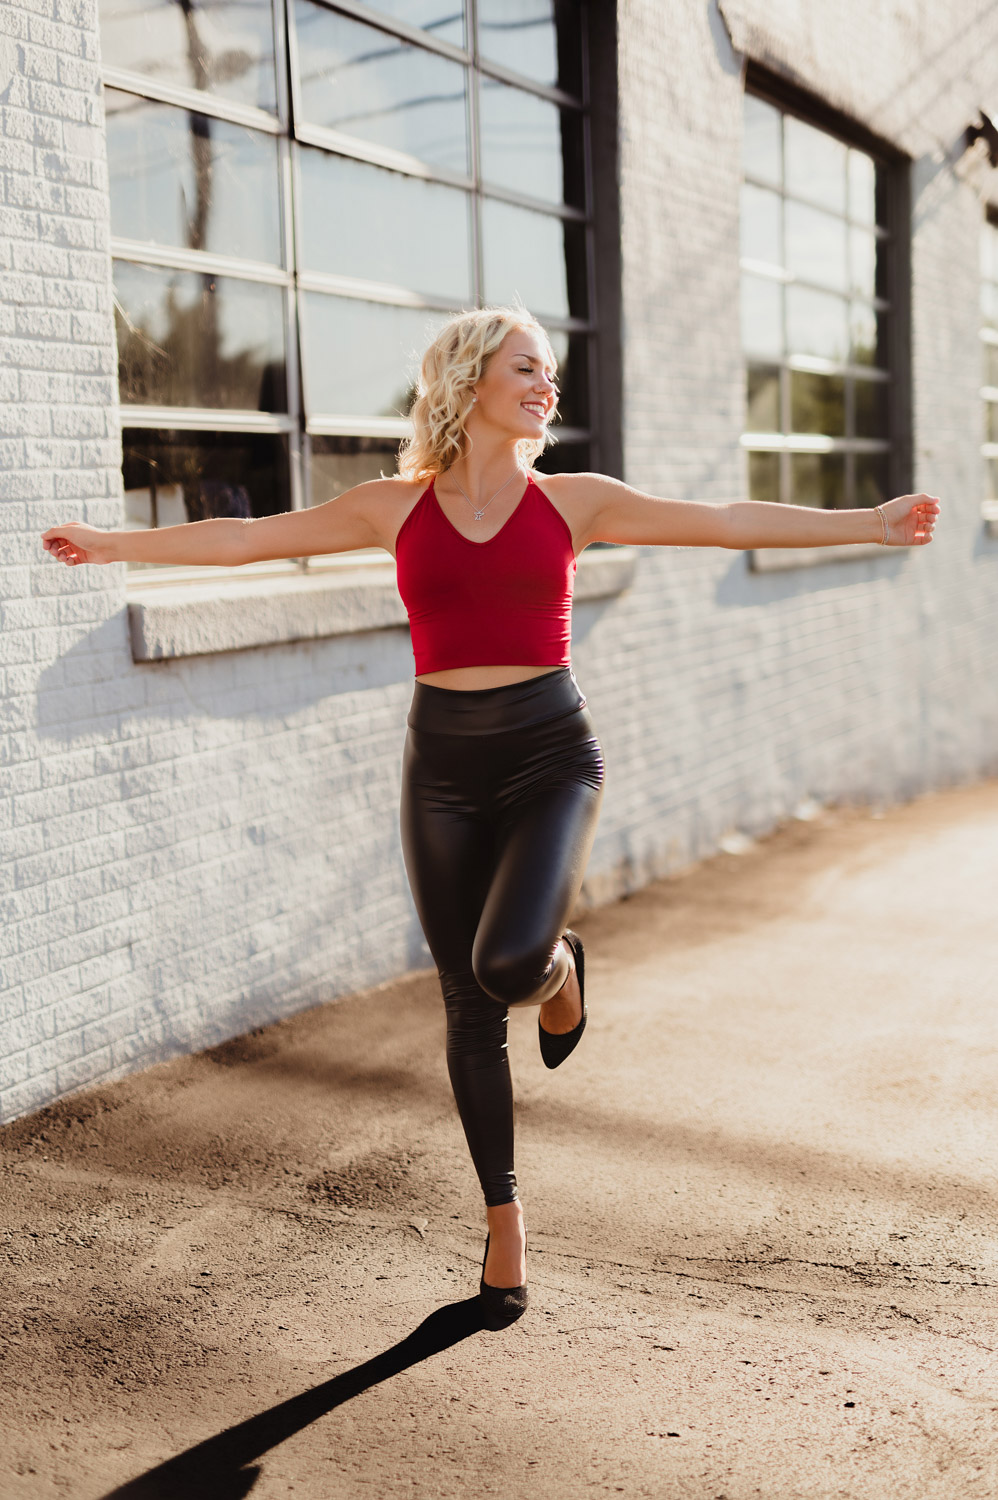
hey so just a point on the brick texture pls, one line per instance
(194, 847)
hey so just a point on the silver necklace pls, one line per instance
(479, 512)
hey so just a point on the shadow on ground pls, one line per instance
(221, 1468)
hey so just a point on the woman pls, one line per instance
(503, 774)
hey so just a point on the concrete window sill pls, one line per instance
(197, 619)
(776, 559)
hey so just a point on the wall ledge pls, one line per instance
(198, 619)
(777, 559)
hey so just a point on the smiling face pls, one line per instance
(516, 393)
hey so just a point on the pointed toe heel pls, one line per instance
(501, 1305)
(554, 1047)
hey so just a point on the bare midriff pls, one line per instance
(468, 679)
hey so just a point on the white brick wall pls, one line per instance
(193, 847)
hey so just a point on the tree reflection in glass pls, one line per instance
(186, 339)
(818, 479)
(763, 398)
(764, 476)
(817, 403)
(179, 178)
(171, 477)
(225, 47)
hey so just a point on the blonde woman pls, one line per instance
(503, 773)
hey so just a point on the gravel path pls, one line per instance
(761, 1200)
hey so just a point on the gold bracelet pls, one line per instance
(884, 540)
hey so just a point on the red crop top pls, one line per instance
(503, 602)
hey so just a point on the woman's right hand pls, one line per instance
(76, 542)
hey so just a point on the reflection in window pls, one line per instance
(225, 47)
(522, 139)
(197, 340)
(178, 178)
(361, 358)
(443, 19)
(818, 479)
(173, 477)
(363, 221)
(536, 38)
(814, 313)
(379, 88)
(338, 463)
(370, 160)
(533, 257)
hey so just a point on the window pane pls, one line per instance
(989, 305)
(762, 315)
(174, 477)
(816, 323)
(362, 358)
(990, 364)
(338, 463)
(572, 353)
(223, 46)
(989, 251)
(991, 421)
(863, 262)
(815, 165)
(763, 399)
(521, 138)
(185, 179)
(525, 35)
(862, 187)
(816, 246)
(761, 232)
(359, 220)
(196, 340)
(565, 458)
(817, 403)
(868, 330)
(764, 476)
(818, 479)
(870, 406)
(535, 257)
(380, 89)
(761, 152)
(444, 19)
(871, 479)
(993, 478)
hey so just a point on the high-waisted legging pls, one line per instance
(501, 789)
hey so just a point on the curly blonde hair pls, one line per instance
(451, 367)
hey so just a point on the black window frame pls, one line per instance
(598, 443)
(895, 167)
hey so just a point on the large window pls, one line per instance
(816, 307)
(301, 194)
(989, 349)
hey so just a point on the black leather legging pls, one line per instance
(501, 790)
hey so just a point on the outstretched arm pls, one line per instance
(614, 512)
(357, 518)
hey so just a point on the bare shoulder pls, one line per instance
(579, 498)
(384, 505)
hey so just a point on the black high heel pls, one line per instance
(554, 1047)
(501, 1305)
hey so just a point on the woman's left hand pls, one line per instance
(911, 519)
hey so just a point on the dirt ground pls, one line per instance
(761, 1200)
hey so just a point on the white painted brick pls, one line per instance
(216, 841)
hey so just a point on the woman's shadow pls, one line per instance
(217, 1468)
